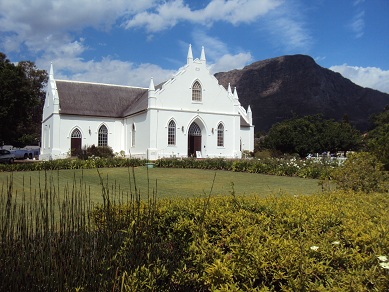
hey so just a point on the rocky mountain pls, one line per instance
(279, 88)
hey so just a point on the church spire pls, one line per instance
(202, 58)
(250, 114)
(151, 88)
(51, 73)
(151, 94)
(236, 94)
(190, 54)
(229, 89)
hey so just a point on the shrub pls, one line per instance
(361, 172)
(333, 242)
(96, 151)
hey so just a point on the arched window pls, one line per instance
(194, 130)
(196, 91)
(75, 142)
(76, 133)
(133, 136)
(103, 136)
(171, 133)
(220, 135)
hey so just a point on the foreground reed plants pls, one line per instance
(50, 241)
(335, 241)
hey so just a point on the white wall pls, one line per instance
(172, 101)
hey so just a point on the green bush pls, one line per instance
(96, 151)
(362, 172)
(274, 166)
(280, 243)
(326, 242)
(95, 162)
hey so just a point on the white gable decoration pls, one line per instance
(190, 115)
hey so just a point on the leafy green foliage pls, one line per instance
(96, 151)
(312, 134)
(378, 138)
(326, 242)
(362, 172)
(73, 164)
(21, 102)
(310, 168)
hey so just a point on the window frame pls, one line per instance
(102, 137)
(133, 136)
(220, 135)
(171, 133)
(197, 95)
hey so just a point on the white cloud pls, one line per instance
(229, 62)
(358, 24)
(30, 23)
(371, 77)
(217, 51)
(109, 71)
(287, 27)
(169, 13)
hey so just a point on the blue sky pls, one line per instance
(129, 41)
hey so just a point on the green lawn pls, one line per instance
(166, 182)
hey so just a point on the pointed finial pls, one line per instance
(51, 73)
(229, 89)
(236, 93)
(151, 93)
(250, 114)
(190, 54)
(151, 86)
(202, 58)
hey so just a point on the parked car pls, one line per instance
(6, 156)
(23, 153)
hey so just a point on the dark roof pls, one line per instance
(243, 122)
(92, 99)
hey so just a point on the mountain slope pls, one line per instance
(281, 87)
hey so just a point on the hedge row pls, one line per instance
(273, 166)
(282, 167)
(72, 164)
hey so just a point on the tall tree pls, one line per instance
(21, 101)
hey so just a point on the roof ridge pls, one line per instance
(104, 84)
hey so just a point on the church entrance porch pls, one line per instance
(194, 140)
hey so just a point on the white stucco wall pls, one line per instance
(172, 101)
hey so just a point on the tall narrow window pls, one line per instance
(171, 133)
(196, 91)
(103, 136)
(133, 136)
(75, 142)
(220, 135)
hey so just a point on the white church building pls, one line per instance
(189, 115)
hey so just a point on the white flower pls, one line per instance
(335, 242)
(384, 265)
(383, 258)
(314, 248)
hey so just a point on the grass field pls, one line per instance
(165, 182)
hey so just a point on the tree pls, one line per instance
(21, 101)
(378, 139)
(311, 134)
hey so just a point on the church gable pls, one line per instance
(194, 88)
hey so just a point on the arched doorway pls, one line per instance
(194, 140)
(75, 144)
